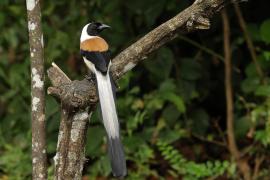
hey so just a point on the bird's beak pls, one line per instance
(104, 26)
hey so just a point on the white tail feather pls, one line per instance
(106, 99)
(110, 121)
(107, 104)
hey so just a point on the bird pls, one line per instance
(96, 55)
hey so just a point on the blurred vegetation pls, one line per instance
(172, 106)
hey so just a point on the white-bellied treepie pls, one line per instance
(96, 55)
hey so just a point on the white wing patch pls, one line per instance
(90, 65)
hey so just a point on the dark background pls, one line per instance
(172, 106)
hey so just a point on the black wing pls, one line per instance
(101, 60)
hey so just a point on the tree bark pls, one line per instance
(75, 112)
(39, 159)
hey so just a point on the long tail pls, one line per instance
(110, 120)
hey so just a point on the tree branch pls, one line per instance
(232, 146)
(195, 17)
(39, 159)
(77, 96)
(249, 42)
(258, 162)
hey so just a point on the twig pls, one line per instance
(228, 85)
(258, 162)
(248, 149)
(39, 159)
(232, 146)
(250, 45)
(219, 143)
(207, 50)
(219, 130)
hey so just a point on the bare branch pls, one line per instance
(232, 146)
(39, 159)
(258, 162)
(228, 86)
(193, 18)
(249, 42)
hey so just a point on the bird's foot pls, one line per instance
(90, 77)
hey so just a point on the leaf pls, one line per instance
(170, 136)
(249, 85)
(187, 89)
(51, 106)
(125, 81)
(254, 31)
(166, 92)
(144, 153)
(95, 138)
(161, 65)
(171, 114)
(251, 70)
(190, 69)
(265, 31)
(167, 86)
(133, 142)
(102, 166)
(4, 2)
(266, 55)
(263, 137)
(2, 18)
(154, 102)
(16, 10)
(263, 90)
(11, 37)
(153, 11)
(200, 121)
(135, 121)
(177, 101)
(242, 125)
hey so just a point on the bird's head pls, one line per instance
(95, 28)
(92, 29)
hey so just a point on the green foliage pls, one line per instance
(15, 162)
(175, 97)
(264, 29)
(258, 102)
(189, 169)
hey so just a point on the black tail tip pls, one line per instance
(117, 157)
(120, 175)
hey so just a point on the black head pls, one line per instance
(95, 28)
